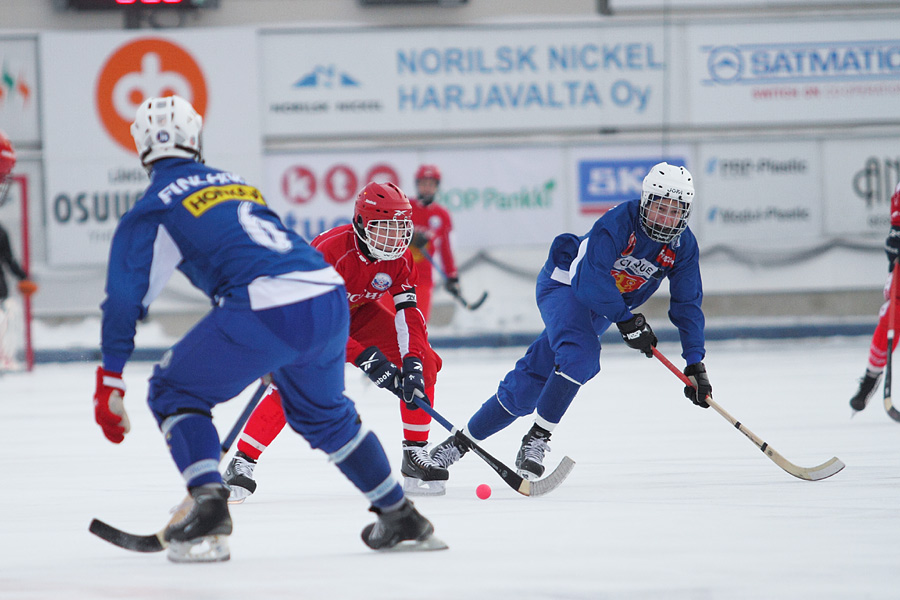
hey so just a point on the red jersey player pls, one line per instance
(373, 257)
(432, 233)
(878, 347)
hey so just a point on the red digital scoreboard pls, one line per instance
(150, 4)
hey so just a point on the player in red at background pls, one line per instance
(432, 234)
(373, 257)
(26, 287)
(878, 347)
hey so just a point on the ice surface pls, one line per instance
(666, 500)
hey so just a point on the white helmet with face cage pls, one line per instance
(664, 221)
(167, 128)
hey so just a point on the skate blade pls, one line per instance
(429, 544)
(417, 487)
(210, 548)
(238, 494)
(527, 475)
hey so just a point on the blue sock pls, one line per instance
(365, 464)
(555, 398)
(489, 419)
(195, 447)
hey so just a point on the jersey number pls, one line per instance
(263, 232)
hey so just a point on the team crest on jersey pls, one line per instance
(631, 273)
(382, 282)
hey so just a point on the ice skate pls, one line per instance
(866, 388)
(404, 529)
(202, 534)
(530, 459)
(448, 452)
(422, 476)
(239, 478)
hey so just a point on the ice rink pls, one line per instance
(666, 500)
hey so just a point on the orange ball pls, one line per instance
(27, 287)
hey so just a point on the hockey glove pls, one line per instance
(701, 388)
(637, 334)
(892, 246)
(413, 382)
(419, 240)
(452, 285)
(27, 287)
(380, 370)
(109, 407)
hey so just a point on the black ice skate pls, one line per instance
(239, 477)
(448, 452)
(866, 388)
(530, 459)
(422, 476)
(202, 534)
(404, 529)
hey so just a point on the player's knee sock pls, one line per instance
(555, 398)
(194, 444)
(416, 423)
(489, 419)
(264, 425)
(365, 464)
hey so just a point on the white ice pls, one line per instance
(666, 500)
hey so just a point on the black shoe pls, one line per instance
(866, 388)
(448, 452)
(402, 525)
(208, 516)
(530, 459)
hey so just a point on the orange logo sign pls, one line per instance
(145, 68)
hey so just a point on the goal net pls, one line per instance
(16, 351)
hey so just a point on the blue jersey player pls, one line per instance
(277, 307)
(587, 284)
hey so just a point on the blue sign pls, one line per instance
(602, 184)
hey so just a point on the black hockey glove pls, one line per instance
(452, 285)
(637, 334)
(701, 388)
(380, 370)
(419, 240)
(413, 382)
(892, 246)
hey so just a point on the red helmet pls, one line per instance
(7, 162)
(429, 172)
(382, 219)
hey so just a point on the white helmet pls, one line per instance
(664, 221)
(167, 128)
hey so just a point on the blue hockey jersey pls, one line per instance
(616, 267)
(218, 231)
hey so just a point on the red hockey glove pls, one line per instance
(109, 407)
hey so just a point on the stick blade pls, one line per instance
(128, 541)
(477, 303)
(890, 409)
(554, 479)
(823, 471)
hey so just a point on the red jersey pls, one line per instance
(895, 208)
(367, 281)
(434, 221)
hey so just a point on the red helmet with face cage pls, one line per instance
(382, 219)
(7, 162)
